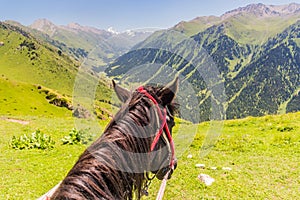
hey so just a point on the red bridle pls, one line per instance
(163, 127)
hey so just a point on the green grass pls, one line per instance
(17, 98)
(246, 29)
(27, 174)
(264, 154)
(198, 24)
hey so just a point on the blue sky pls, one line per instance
(120, 14)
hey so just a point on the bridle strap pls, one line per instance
(163, 127)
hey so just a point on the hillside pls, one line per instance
(258, 70)
(26, 59)
(244, 63)
(23, 99)
(30, 62)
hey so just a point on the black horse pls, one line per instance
(136, 142)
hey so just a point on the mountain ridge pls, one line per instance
(259, 14)
(261, 10)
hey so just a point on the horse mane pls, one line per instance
(104, 171)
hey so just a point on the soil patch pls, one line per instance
(19, 121)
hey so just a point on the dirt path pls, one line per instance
(19, 121)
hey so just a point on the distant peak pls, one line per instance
(112, 30)
(44, 25)
(74, 25)
(261, 10)
(40, 22)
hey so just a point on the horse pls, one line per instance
(136, 143)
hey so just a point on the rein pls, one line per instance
(163, 127)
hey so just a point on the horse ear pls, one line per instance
(168, 92)
(122, 93)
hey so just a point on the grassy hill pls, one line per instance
(26, 59)
(28, 63)
(262, 153)
(37, 84)
(23, 99)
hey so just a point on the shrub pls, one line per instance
(36, 140)
(77, 137)
(285, 129)
(30, 45)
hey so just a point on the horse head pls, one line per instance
(137, 141)
(160, 109)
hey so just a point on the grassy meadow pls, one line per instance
(27, 174)
(262, 153)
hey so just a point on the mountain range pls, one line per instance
(245, 62)
(255, 50)
(81, 40)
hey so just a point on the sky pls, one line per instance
(120, 14)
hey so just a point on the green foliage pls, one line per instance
(285, 129)
(55, 98)
(77, 137)
(37, 140)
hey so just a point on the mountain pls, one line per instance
(62, 61)
(252, 53)
(84, 41)
(242, 63)
(253, 24)
(272, 79)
